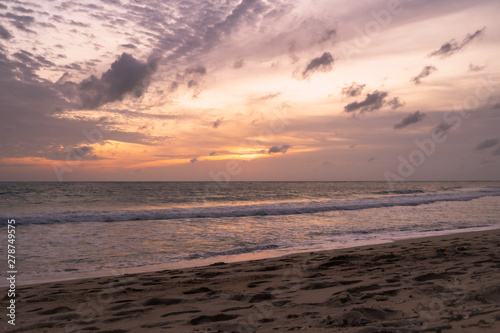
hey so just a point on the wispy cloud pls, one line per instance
(353, 90)
(426, 71)
(217, 123)
(412, 118)
(488, 143)
(451, 47)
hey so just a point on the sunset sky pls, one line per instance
(249, 90)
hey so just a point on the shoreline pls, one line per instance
(447, 282)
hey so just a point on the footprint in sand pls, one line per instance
(211, 319)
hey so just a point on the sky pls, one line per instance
(233, 90)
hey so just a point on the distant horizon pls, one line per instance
(245, 181)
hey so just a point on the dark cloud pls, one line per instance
(412, 118)
(487, 144)
(277, 149)
(323, 63)
(44, 61)
(201, 70)
(496, 152)
(217, 123)
(80, 153)
(395, 103)
(21, 21)
(213, 153)
(426, 71)
(476, 68)
(192, 83)
(328, 35)
(443, 127)
(46, 25)
(3, 6)
(451, 47)
(127, 75)
(22, 10)
(371, 159)
(353, 90)
(4, 33)
(111, 2)
(173, 86)
(238, 64)
(79, 24)
(246, 11)
(129, 46)
(372, 102)
(27, 59)
(193, 160)
(31, 124)
(73, 65)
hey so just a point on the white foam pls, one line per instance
(278, 208)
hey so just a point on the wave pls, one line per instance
(399, 192)
(278, 208)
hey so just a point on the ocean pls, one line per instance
(68, 230)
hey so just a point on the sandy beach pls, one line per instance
(435, 284)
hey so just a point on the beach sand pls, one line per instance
(436, 284)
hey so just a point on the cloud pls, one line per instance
(129, 46)
(476, 68)
(80, 153)
(22, 9)
(488, 143)
(372, 102)
(451, 47)
(79, 24)
(426, 71)
(395, 103)
(194, 160)
(328, 35)
(277, 149)
(213, 153)
(201, 70)
(412, 118)
(238, 64)
(371, 159)
(21, 21)
(245, 11)
(353, 90)
(323, 63)
(217, 123)
(268, 96)
(4, 33)
(443, 128)
(126, 75)
(496, 152)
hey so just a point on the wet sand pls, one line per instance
(436, 284)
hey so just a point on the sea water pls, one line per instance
(80, 229)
